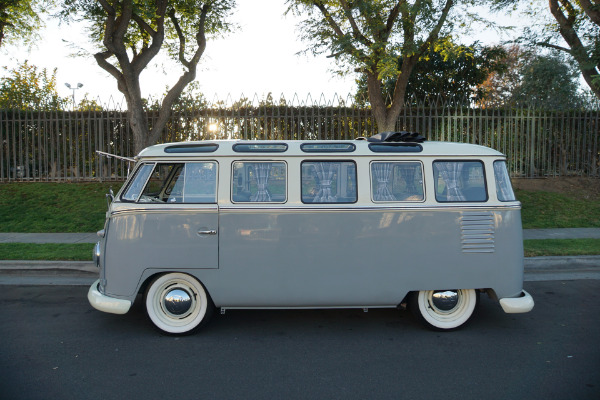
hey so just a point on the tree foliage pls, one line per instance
(26, 88)
(448, 72)
(548, 82)
(20, 19)
(130, 33)
(540, 80)
(499, 86)
(370, 36)
(575, 23)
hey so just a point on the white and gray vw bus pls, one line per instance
(373, 223)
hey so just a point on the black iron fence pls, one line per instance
(61, 145)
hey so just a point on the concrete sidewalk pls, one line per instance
(565, 233)
(568, 233)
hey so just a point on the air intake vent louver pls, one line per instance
(477, 232)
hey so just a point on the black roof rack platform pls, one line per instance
(402, 136)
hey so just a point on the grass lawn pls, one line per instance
(53, 207)
(46, 251)
(561, 247)
(543, 210)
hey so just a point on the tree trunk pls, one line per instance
(387, 117)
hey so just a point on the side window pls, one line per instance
(199, 183)
(182, 183)
(397, 181)
(161, 182)
(504, 189)
(259, 182)
(329, 182)
(459, 181)
(137, 183)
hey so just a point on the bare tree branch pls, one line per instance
(181, 37)
(143, 25)
(553, 46)
(358, 35)
(433, 35)
(349, 48)
(565, 26)
(391, 20)
(101, 59)
(336, 28)
(185, 79)
(592, 10)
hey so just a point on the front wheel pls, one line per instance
(177, 303)
(443, 309)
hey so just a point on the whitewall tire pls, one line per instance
(444, 309)
(177, 303)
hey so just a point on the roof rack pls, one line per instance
(402, 136)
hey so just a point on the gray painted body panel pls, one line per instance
(318, 258)
(165, 239)
(353, 258)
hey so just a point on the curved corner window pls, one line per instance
(260, 147)
(459, 181)
(397, 181)
(259, 182)
(329, 182)
(328, 147)
(192, 148)
(504, 189)
(137, 183)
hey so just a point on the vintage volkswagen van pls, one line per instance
(312, 224)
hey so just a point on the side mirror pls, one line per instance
(110, 197)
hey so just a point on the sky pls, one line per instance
(258, 58)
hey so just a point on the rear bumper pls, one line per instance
(522, 304)
(105, 303)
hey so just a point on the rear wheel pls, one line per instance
(177, 303)
(443, 309)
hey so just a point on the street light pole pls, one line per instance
(73, 88)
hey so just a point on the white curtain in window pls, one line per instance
(450, 173)
(382, 173)
(324, 172)
(408, 171)
(261, 176)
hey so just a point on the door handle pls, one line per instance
(207, 232)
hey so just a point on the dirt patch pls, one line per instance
(588, 188)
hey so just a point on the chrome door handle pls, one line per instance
(208, 232)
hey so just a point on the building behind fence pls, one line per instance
(61, 145)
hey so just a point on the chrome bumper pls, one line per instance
(522, 304)
(106, 304)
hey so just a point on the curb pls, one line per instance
(58, 267)
(562, 263)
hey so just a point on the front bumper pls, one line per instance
(105, 303)
(513, 305)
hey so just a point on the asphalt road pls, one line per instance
(53, 345)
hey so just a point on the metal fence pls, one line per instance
(61, 145)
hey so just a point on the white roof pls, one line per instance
(225, 149)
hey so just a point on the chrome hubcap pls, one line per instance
(177, 301)
(445, 300)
